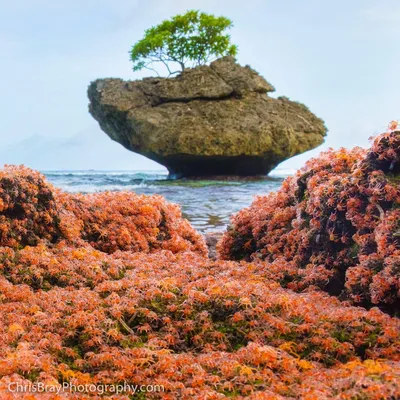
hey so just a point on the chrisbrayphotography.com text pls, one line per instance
(67, 387)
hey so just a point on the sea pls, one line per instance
(207, 204)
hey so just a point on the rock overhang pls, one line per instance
(210, 120)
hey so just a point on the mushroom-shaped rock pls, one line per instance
(208, 121)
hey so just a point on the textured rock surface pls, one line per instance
(212, 240)
(211, 120)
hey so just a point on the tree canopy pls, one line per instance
(188, 40)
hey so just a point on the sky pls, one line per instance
(341, 58)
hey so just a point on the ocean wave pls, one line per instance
(282, 172)
(90, 188)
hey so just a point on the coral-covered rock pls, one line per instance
(32, 211)
(334, 225)
(127, 221)
(101, 289)
(208, 121)
(28, 209)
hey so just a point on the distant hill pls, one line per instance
(86, 150)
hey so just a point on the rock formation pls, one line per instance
(210, 120)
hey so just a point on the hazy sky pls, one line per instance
(341, 58)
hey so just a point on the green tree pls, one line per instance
(188, 40)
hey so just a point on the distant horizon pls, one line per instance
(162, 169)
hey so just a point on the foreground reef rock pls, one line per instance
(112, 288)
(210, 120)
(32, 211)
(334, 225)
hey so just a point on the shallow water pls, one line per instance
(207, 204)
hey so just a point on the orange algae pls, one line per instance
(116, 287)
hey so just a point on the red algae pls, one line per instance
(32, 211)
(201, 329)
(115, 287)
(335, 225)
